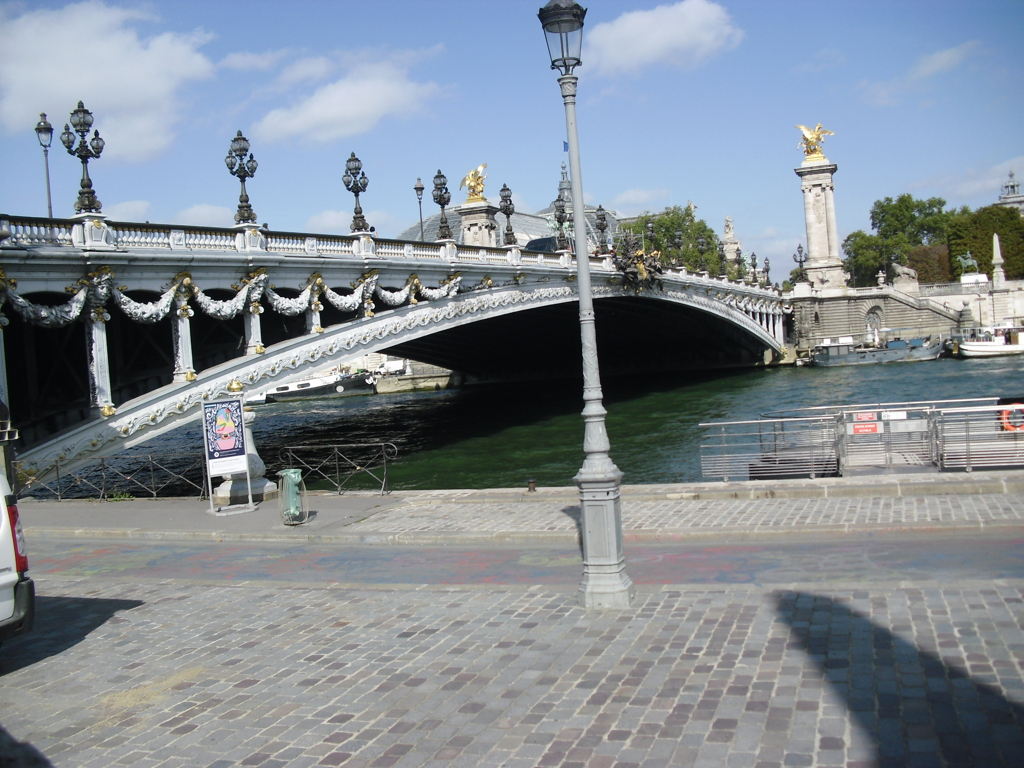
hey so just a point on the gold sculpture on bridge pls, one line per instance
(474, 184)
(812, 140)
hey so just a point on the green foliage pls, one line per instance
(666, 224)
(973, 233)
(931, 263)
(901, 228)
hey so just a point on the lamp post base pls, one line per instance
(605, 583)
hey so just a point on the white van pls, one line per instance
(17, 591)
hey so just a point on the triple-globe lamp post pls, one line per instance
(507, 207)
(81, 122)
(242, 169)
(442, 197)
(605, 583)
(355, 182)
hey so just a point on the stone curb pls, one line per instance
(519, 538)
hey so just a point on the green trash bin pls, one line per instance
(292, 497)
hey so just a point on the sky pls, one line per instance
(686, 101)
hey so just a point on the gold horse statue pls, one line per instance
(474, 184)
(811, 142)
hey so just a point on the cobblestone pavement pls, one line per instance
(875, 666)
(176, 673)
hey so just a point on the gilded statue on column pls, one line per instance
(812, 140)
(474, 184)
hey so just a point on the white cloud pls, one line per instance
(889, 92)
(204, 215)
(683, 35)
(132, 210)
(312, 68)
(51, 59)
(348, 107)
(635, 201)
(972, 182)
(243, 62)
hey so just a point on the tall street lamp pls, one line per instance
(605, 583)
(355, 182)
(418, 189)
(242, 169)
(44, 132)
(81, 121)
(507, 207)
(442, 197)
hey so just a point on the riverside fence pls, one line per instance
(864, 439)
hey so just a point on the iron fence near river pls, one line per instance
(868, 439)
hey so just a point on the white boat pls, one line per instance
(995, 341)
(331, 384)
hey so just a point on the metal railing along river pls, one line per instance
(117, 477)
(339, 465)
(868, 438)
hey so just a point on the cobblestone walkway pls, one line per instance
(186, 674)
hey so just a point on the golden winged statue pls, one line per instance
(474, 183)
(811, 142)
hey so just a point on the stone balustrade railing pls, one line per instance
(31, 231)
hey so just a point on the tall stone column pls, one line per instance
(824, 265)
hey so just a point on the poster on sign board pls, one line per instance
(224, 437)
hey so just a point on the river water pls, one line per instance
(503, 436)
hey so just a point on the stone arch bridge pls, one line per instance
(114, 333)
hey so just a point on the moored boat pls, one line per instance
(995, 341)
(844, 351)
(328, 385)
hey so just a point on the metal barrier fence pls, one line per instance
(770, 449)
(124, 477)
(873, 438)
(338, 465)
(987, 437)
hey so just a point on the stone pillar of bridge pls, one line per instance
(253, 329)
(181, 334)
(100, 401)
(824, 265)
(479, 227)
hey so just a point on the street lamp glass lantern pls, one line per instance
(563, 29)
(353, 165)
(44, 131)
(240, 145)
(418, 188)
(67, 138)
(97, 143)
(81, 118)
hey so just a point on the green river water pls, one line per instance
(503, 436)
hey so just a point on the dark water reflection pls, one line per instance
(504, 435)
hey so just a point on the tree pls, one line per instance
(974, 233)
(672, 220)
(901, 227)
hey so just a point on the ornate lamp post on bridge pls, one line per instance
(507, 207)
(442, 197)
(81, 121)
(242, 169)
(418, 189)
(702, 248)
(562, 242)
(44, 132)
(605, 583)
(601, 224)
(355, 182)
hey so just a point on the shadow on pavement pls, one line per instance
(60, 623)
(20, 754)
(576, 515)
(918, 710)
